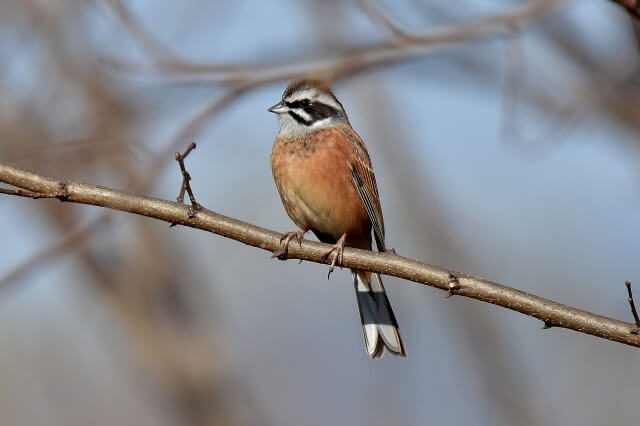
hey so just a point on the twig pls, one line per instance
(548, 311)
(186, 183)
(633, 308)
(186, 178)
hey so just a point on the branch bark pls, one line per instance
(553, 314)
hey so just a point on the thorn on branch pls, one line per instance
(453, 284)
(633, 308)
(186, 185)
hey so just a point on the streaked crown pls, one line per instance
(308, 105)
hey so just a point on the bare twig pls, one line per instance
(552, 313)
(186, 182)
(186, 178)
(633, 307)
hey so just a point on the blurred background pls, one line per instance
(511, 154)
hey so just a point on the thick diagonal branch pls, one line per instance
(552, 313)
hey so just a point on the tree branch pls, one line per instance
(380, 16)
(410, 45)
(632, 6)
(551, 313)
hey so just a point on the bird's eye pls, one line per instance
(305, 103)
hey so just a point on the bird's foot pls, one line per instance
(338, 250)
(294, 235)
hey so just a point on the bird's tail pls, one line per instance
(379, 325)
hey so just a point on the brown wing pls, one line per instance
(365, 181)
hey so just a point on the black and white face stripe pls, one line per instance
(306, 106)
(306, 112)
(300, 119)
(309, 106)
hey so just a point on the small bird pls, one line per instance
(325, 179)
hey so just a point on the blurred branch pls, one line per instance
(563, 116)
(72, 240)
(76, 237)
(381, 17)
(407, 46)
(134, 27)
(632, 6)
(551, 313)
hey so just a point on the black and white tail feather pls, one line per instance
(379, 325)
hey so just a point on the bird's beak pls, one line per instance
(279, 108)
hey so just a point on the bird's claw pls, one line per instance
(294, 235)
(338, 249)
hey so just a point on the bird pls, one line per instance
(325, 179)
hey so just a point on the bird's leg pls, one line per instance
(293, 235)
(338, 248)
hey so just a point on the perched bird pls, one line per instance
(325, 179)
